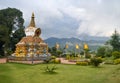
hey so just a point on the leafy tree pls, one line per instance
(3, 38)
(108, 51)
(101, 52)
(104, 51)
(16, 37)
(11, 19)
(115, 41)
(52, 50)
(96, 61)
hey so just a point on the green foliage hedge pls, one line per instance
(57, 61)
(117, 61)
(96, 61)
(116, 54)
(82, 63)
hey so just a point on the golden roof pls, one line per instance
(86, 46)
(30, 39)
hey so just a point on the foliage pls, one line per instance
(56, 61)
(117, 61)
(88, 55)
(50, 69)
(82, 63)
(53, 57)
(104, 51)
(4, 38)
(96, 61)
(11, 19)
(116, 54)
(108, 51)
(109, 62)
(68, 57)
(101, 52)
(115, 41)
(16, 37)
(82, 53)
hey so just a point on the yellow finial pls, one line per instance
(77, 46)
(85, 46)
(57, 45)
(32, 22)
(66, 46)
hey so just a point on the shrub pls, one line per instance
(53, 57)
(57, 61)
(88, 56)
(68, 57)
(116, 54)
(96, 61)
(109, 62)
(82, 63)
(117, 61)
(1, 56)
(50, 69)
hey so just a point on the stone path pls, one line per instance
(63, 61)
(26, 62)
(3, 60)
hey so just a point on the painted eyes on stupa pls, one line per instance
(37, 32)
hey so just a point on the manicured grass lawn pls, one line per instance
(21, 73)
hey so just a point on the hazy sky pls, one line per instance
(70, 18)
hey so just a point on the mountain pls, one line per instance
(93, 42)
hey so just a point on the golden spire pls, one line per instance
(86, 46)
(66, 46)
(32, 22)
(77, 46)
(57, 46)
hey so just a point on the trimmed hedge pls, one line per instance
(57, 61)
(116, 54)
(82, 63)
(116, 61)
(96, 61)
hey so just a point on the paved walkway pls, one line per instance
(26, 62)
(64, 61)
(3, 60)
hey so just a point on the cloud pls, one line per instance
(103, 20)
(70, 18)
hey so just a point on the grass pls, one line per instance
(21, 73)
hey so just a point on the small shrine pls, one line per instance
(32, 44)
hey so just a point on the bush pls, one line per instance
(82, 63)
(50, 69)
(57, 61)
(96, 61)
(68, 57)
(116, 54)
(117, 61)
(1, 56)
(109, 62)
(53, 57)
(88, 56)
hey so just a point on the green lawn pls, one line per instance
(21, 73)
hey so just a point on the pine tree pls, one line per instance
(115, 41)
